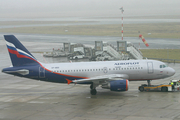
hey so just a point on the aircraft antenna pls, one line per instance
(122, 10)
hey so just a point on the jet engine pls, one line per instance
(116, 85)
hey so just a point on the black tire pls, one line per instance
(91, 86)
(141, 88)
(93, 92)
(164, 89)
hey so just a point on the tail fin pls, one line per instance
(19, 54)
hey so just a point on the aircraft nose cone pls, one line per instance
(172, 71)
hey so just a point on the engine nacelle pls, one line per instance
(117, 85)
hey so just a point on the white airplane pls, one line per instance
(113, 75)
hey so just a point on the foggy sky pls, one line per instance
(87, 8)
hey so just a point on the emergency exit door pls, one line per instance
(150, 67)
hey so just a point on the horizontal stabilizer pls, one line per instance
(22, 72)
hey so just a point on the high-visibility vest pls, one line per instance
(172, 83)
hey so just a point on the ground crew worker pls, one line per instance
(172, 84)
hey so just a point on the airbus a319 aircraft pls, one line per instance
(113, 75)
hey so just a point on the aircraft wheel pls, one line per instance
(164, 89)
(91, 86)
(93, 92)
(141, 88)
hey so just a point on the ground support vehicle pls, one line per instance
(162, 87)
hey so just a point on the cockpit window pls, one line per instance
(163, 66)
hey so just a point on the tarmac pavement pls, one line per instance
(26, 99)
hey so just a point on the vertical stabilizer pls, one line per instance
(18, 53)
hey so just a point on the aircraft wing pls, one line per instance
(103, 78)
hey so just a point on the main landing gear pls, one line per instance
(93, 89)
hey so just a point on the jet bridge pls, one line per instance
(132, 51)
(106, 51)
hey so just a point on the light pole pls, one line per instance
(122, 10)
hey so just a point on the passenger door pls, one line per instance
(150, 67)
(41, 72)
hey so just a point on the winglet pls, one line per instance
(68, 81)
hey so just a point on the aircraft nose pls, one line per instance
(172, 72)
